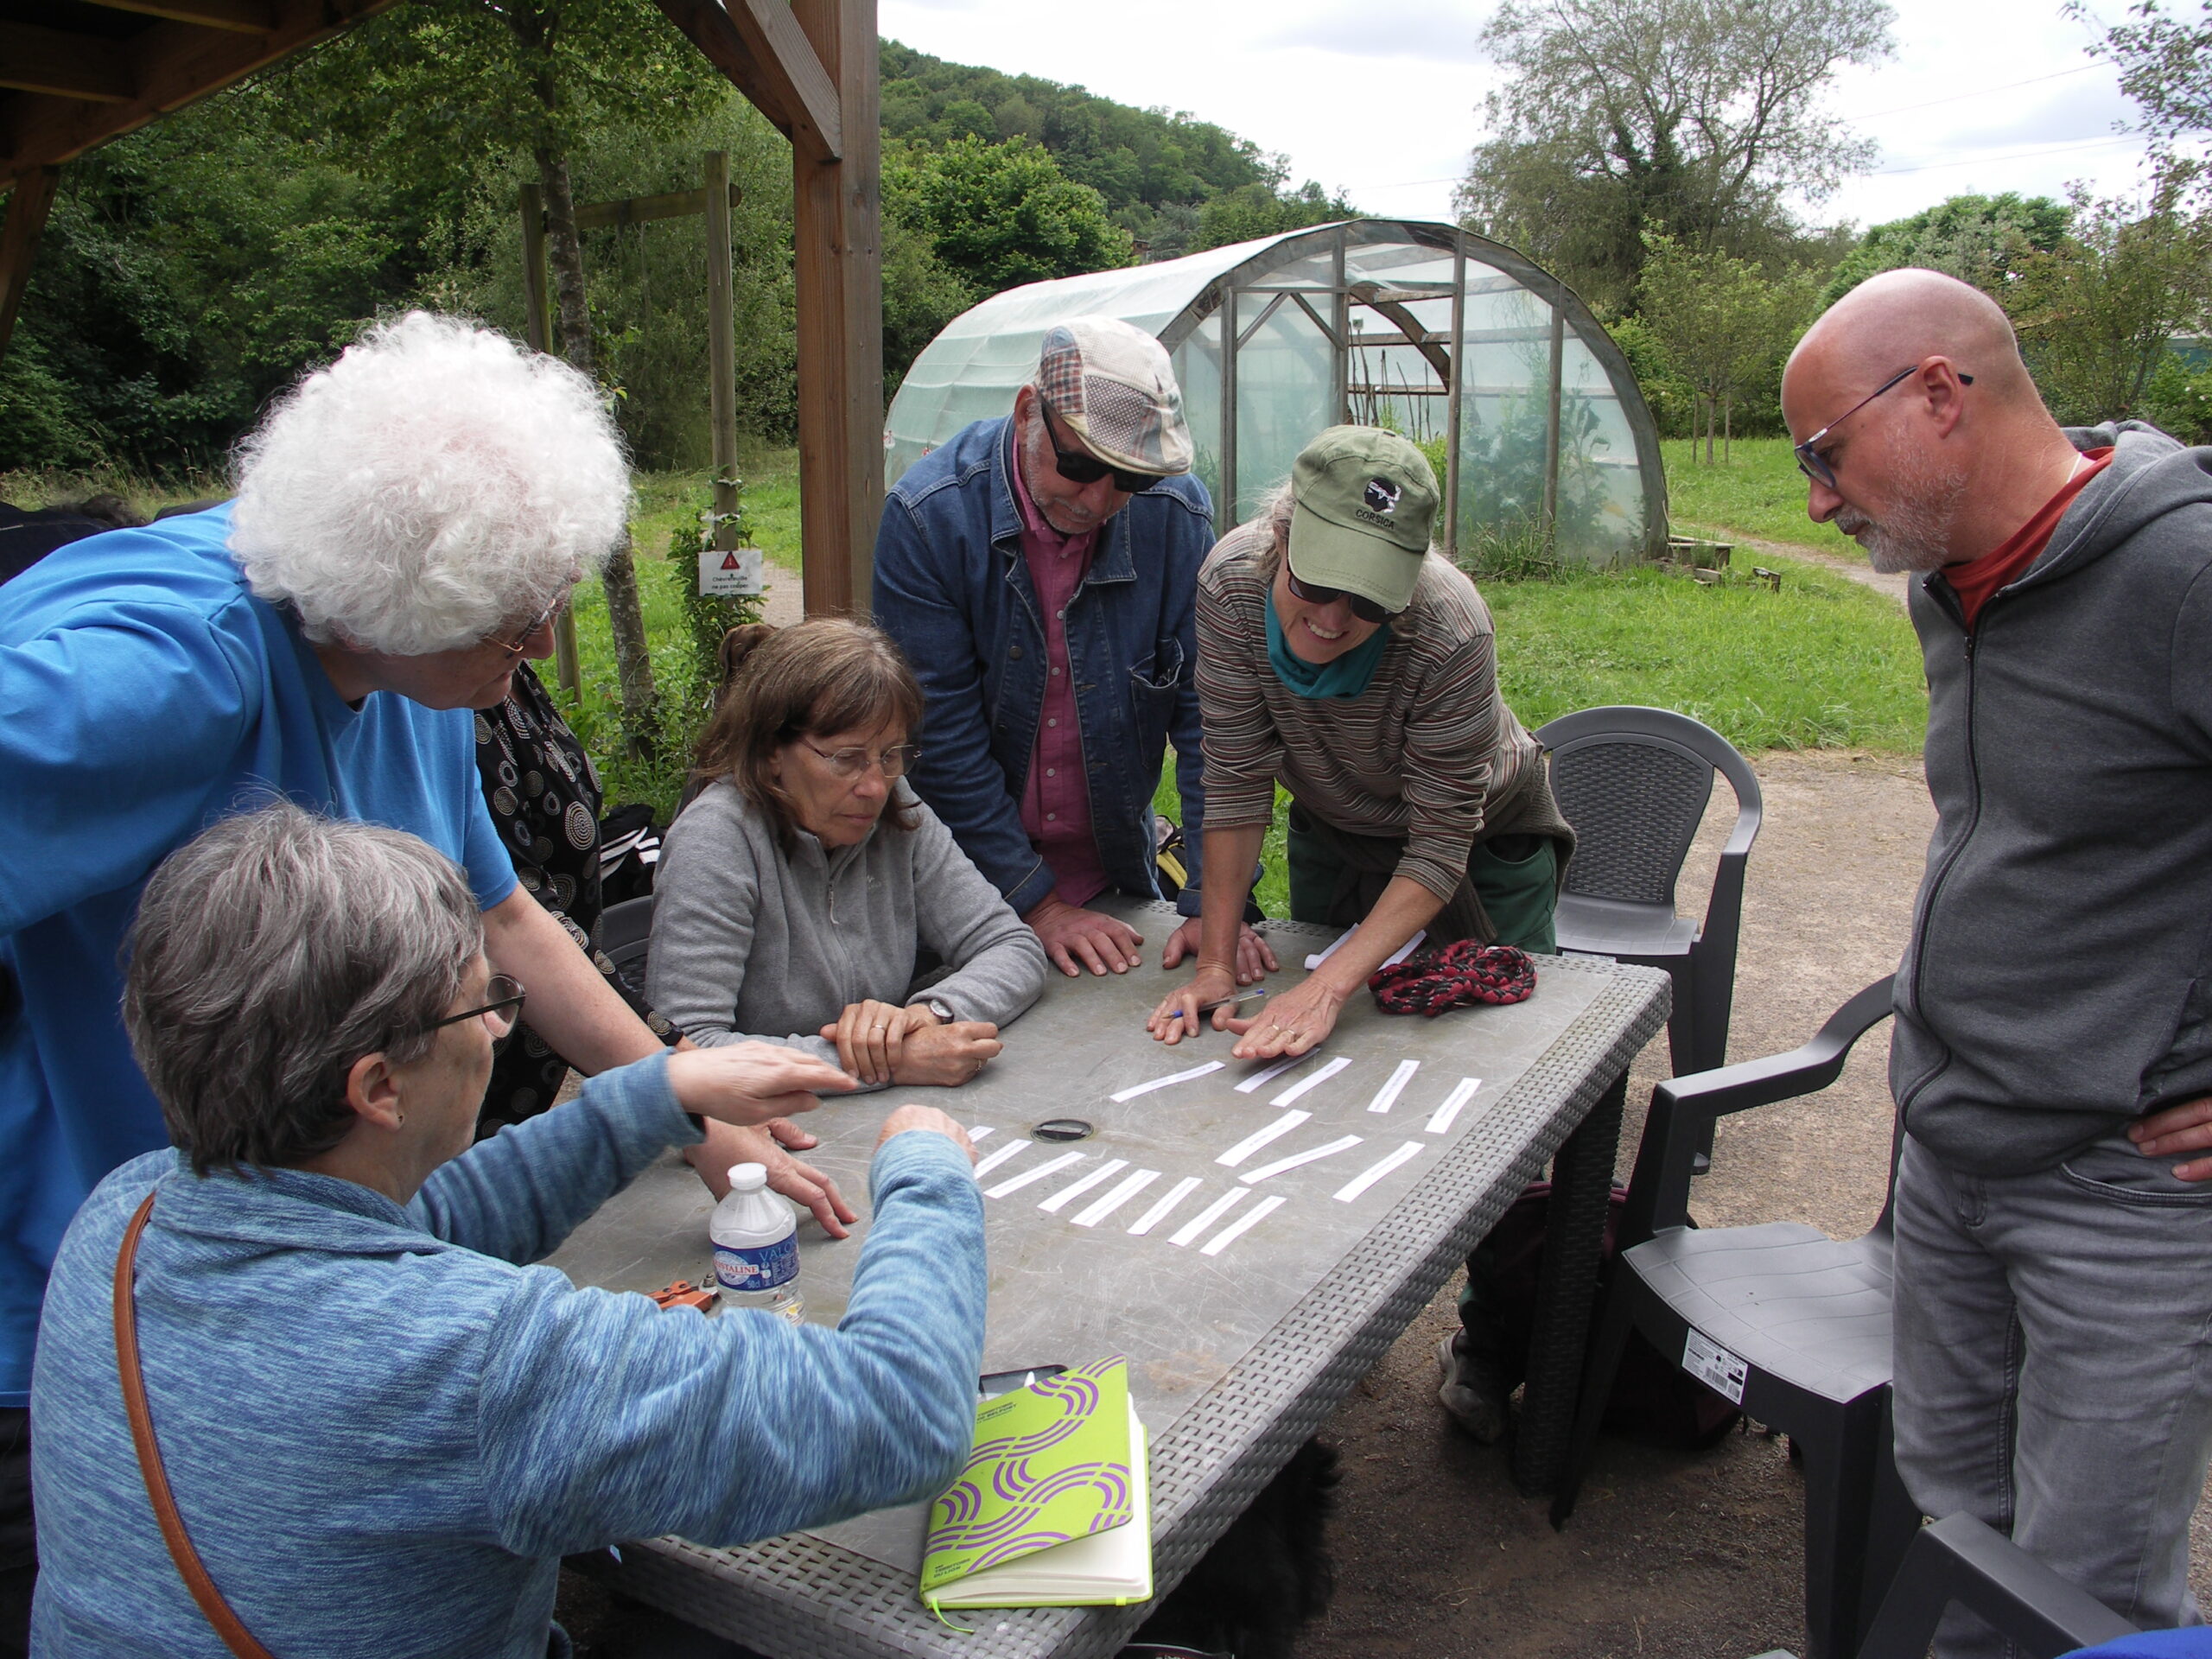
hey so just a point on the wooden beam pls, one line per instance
(760, 47)
(34, 60)
(836, 239)
(176, 64)
(638, 210)
(240, 17)
(26, 206)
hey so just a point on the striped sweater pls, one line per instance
(1428, 752)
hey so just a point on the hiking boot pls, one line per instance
(1472, 1391)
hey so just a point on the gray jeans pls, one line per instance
(2054, 1369)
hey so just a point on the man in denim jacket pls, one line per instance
(1040, 572)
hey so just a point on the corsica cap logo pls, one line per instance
(1381, 495)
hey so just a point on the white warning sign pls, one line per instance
(729, 573)
(1715, 1367)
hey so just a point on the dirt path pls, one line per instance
(1856, 568)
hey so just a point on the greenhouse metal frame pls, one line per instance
(1546, 446)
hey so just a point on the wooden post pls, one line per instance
(1455, 395)
(1551, 433)
(835, 238)
(27, 208)
(536, 291)
(721, 348)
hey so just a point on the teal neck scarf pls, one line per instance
(1347, 676)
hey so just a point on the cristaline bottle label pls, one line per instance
(757, 1267)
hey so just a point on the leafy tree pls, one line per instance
(2097, 315)
(1687, 118)
(1724, 325)
(1984, 240)
(1000, 214)
(2165, 65)
(1257, 210)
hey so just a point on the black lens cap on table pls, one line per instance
(1062, 1129)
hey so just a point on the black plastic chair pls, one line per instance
(1633, 783)
(1958, 1559)
(1790, 1324)
(625, 932)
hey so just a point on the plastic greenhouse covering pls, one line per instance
(1481, 357)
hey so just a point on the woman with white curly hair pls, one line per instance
(409, 521)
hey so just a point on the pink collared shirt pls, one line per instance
(1056, 798)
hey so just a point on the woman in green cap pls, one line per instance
(1340, 655)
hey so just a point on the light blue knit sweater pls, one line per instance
(383, 1433)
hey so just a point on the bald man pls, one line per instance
(2053, 1044)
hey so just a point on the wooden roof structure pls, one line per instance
(75, 73)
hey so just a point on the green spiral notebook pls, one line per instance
(1052, 1509)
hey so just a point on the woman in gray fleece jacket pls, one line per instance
(792, 891)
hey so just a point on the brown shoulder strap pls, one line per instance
(218, 1612)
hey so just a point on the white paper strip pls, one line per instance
(1074, 1190)
(1128, 1187)
(1311, 1156)
(1132, 1092)
(1162, 1206)
(1462, 1092)
(1260, 1079)
(1206, 1217)
(1252, 1142)
(1387, 1096)
(1244, 1223)
(1313, 1082)
(982, 1131)
(1050, 1167)
(1402, 952)
(1374, 1172)
(1011, 1150)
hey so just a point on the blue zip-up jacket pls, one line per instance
(952, 589)
(383, 1431)
(2059, 977)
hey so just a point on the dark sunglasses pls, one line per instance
(1815, 466)
(1078, 466)
(1361, 606)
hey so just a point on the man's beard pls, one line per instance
(1915, 533)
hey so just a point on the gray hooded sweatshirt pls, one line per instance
(2059, 978)
(752, 945)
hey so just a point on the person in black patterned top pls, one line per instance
(546, 798)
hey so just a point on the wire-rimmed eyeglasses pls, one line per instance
(849, 763)
(502, 1009)
(1815, 466)
(516, 646)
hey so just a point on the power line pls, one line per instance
(1979, 91)
(2017, 156)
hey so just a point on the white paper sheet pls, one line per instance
(1375, 1172)
(1252, 1142)
(1311, 1156)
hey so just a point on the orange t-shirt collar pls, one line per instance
(1977, 578)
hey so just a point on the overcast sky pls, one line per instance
(1381, 100)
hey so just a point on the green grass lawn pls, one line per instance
(1757, 491)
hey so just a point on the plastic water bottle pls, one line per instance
(756, 1246)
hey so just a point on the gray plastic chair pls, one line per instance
(1633, 783)
(1960, 1560)
(625, 932)
(1799, 1324)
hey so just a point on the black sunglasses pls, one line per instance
(1078, 466)
(1361, 606)
(1815, 466)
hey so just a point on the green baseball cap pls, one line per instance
(1365, 502)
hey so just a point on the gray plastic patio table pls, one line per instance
(1252, 1250)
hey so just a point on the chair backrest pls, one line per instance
(625, 932)
(1957, 1559)
(1634, 783)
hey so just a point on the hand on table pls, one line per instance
(947, 1055)
(727, 1145)
(745, 1084)
(871, 1037)
(929, 1118)
(1255, 961)
(1177, 1016)
(2185, 1128)
(1072, 936)
(1294, 1023)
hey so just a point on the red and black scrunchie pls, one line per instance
(1455, 976)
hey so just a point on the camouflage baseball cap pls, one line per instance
(1365, 503)
(1110, 384)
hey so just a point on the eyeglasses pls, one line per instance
(1815, 466)
(1078, 466)
(515, 646)
(1361, 606)
(501, 1012)
(850, 763)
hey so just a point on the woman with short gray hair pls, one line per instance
(375, 1429)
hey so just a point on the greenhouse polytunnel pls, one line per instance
(1541, 442)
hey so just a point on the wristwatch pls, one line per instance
(941, 1009)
